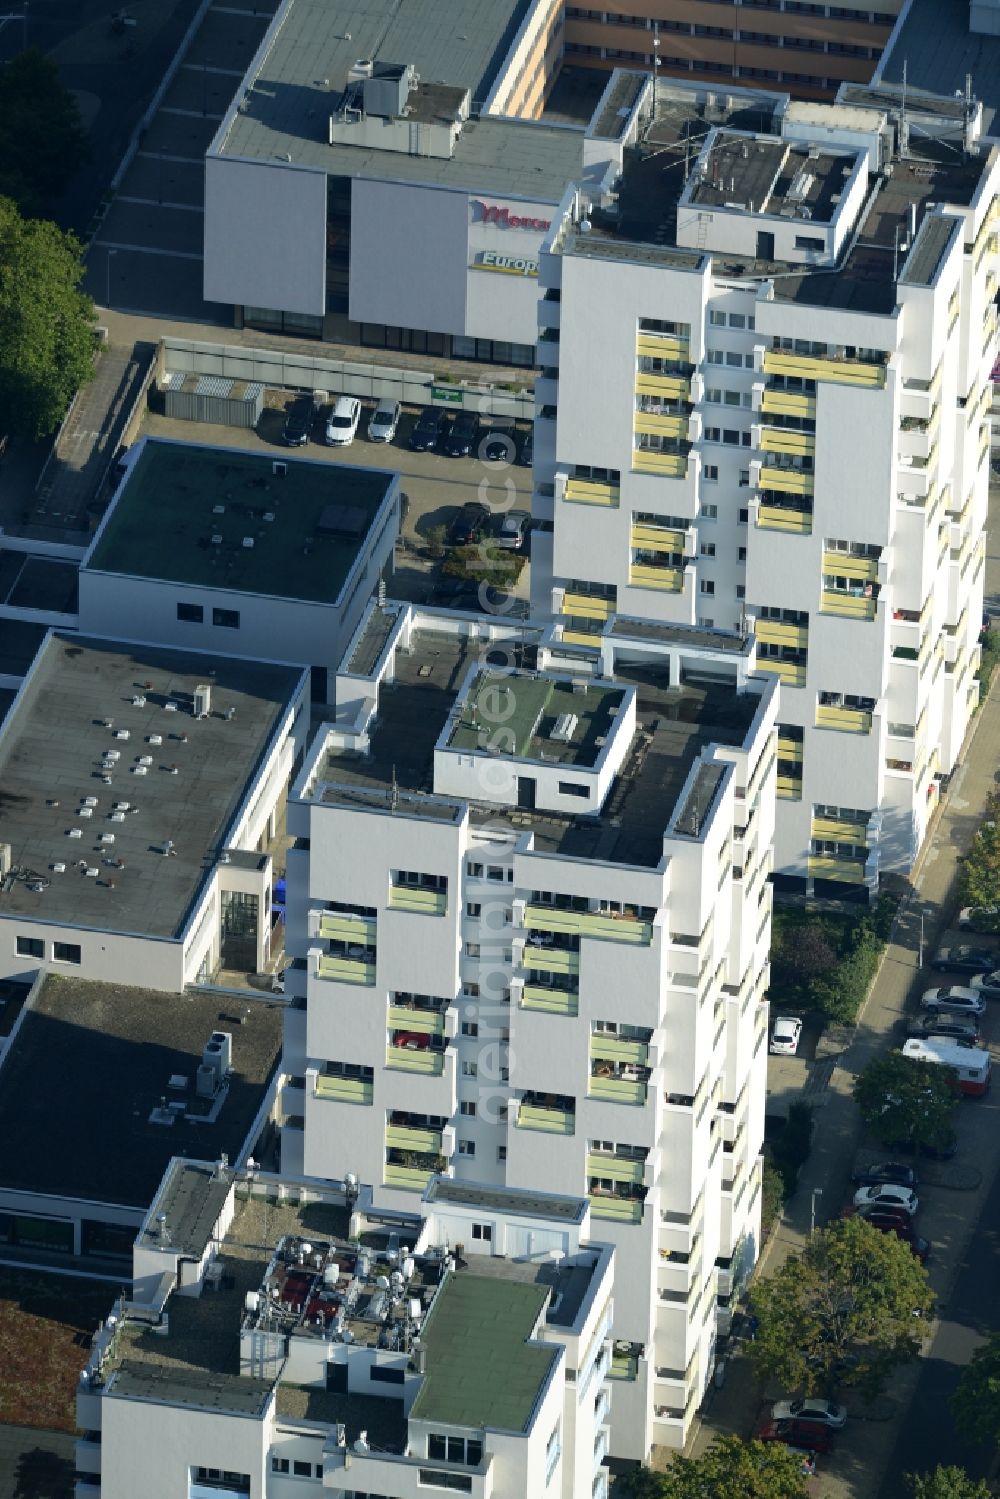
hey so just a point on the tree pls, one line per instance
(806, 951)
(42, 140)
(46, 324)
(844, 1311)
(484, 563)
(976, 1403)
(979, 883)
(946, 1483)
(903, 1099)
(730, 1469)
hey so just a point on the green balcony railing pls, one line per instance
(347, 970)
(551, 959)
(408, 1178)
(344, 1089)
(551, 1121)
(616, 1168)
(344, 926)
(616, 1209)
(424, 902)
(550, 1001)
(618, 1049)
(617, 1090)
(403, 1059)
(424, 1022)
(611, 927)
(624, 1366)
(411, 1137)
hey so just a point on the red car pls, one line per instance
(901, 1224)
(810, 1436)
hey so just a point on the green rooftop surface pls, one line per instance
(481, 1369)
(513, 713)
(168, 512)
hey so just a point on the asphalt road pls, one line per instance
(36, 1464)
(928, 1435)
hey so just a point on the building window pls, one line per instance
(501, 1153)
(710, 512)
(192, 614)
(66, 952)
(474, 871)
(717, 319)
(279, 1465)
(472, 949)
(468, 1109)
(226, 619)
(454, 1450)
(711, 471)
(573, 788)
(470, 1028)
(483, 1232)
(473, 908)
(494, 871)
(469, 1069)
(222, 1478)
(30, 947)
(707, 585)
(708, 549)
(380, 1374)
(466, 1147)
(301, 1469)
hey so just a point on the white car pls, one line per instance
(887, 1195)
(785, 1036)
(834, 1416)
(956, 1000)
(342, 423)
(385, 420)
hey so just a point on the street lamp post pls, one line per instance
(107, 288)
(816, 1192)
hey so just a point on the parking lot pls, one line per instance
(436, 486)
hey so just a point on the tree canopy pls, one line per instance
(946, 1483)
(42, 140)
(844, 1311)
(976, 1403)
(730, 1469)
(979, 881)
(46, 324)
(901, 1098)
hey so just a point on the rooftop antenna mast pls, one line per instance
(904, 124)
(393, 792)
(656, 62)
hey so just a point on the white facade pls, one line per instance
(726, 441)
(468, 999)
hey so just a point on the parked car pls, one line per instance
(526, 456)
(461, 436)
(955, 1000)
(900, 1225)
(342, 423)
(384, 421)
(987, 984)
(886, 1171)
(785, 1036)
(978, 918)
(888, 1195)
(810, 1409)
(428, 430)
(801, 1443)
(470, 524)
(513, 531)
(961, 1028)
(498, 443)
(298, 420)
(964, 959)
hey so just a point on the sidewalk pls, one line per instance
(956, 1196)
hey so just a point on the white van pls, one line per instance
(970, 1063)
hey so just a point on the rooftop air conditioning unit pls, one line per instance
(218, 1053)
(206, 1081)
(564, 728)
(202, 700)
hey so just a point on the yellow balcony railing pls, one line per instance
(791, 673)
(779, 518)
(652, 538)
(788, 403)
(789, 749)
(591, 492)
(408, 1178)
(865, 569)
(813, 367)
(615, 1168)
(551, 959)
(618, 1049)
(786, 480)
(614, 928)
(581, 637)
(624, 1366)
(423, 1022)
(789, 788)
(416, 898)
(617, 1209)
(587, 605)
(346, 970)
(674, 387)
(851, 871)
(661, 423)
(781, 632)
(408, 1137)
(839, 830)
(404, 1059)
(663, 345)
(847, 720)
(550, 1121)
(847, 605)
(670, 465)
(550, 1001)
(617, 1090)
(344, 1089)
(781, 440)
(342, 926)
(666, 579)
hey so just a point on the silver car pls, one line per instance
(384, 421)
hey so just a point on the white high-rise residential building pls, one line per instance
(766, 349)
(281, 1338)
(529, 913)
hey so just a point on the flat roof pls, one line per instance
(52, 751)
(938, 50)
(184, 514)
(529, 708)
(303, 76)
(768, 176)
(481, 1368)
(238, 1397)
(674, 724)
(506, 1200)
(91, 1063)
(933, 238)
